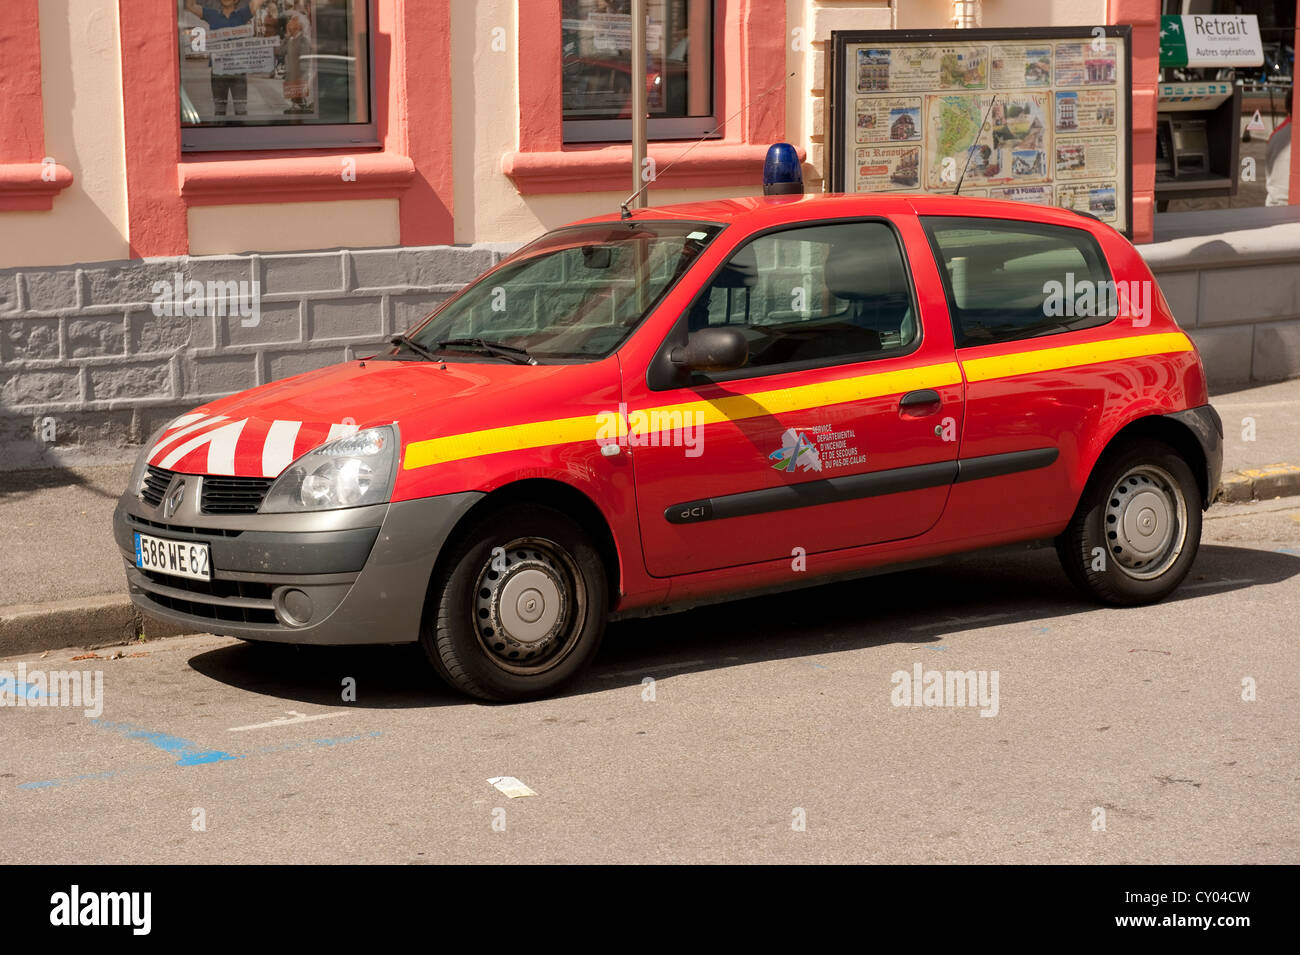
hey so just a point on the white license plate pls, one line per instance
(179, 558)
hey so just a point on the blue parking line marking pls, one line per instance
(15, 688)
(191, 756)
(190, 753)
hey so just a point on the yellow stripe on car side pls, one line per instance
(473, 444)
(1071, 356)
(540, 434)
(803, 397)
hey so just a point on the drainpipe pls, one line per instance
(639, 100)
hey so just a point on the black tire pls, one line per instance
(477, 630)
(1133, 544)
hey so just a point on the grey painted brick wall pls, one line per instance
(1245, 320)
(1232, 278)
(82, 347)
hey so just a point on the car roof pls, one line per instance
(757, 212)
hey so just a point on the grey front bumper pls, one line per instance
(351, 576)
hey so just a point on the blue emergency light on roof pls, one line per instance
(782, 174)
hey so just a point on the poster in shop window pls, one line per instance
(1035, 115)
(249, 62)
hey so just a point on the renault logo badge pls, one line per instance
(174, 498)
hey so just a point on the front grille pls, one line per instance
(215, 611)
(182, 529)
(155, 485)
(234, 495)
(213, 589)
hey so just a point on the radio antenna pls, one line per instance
(623, 206)
(978, 132)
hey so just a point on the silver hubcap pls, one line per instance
(527, 606)
(1146, 522)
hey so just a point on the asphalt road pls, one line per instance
(764, 713)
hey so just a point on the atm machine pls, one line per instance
(1197, 140)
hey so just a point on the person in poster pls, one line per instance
(231, 13)
(269, 25)
(297, 72)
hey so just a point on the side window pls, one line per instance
(1010, 280)
(816, 293)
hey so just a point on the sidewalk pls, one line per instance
(1261, 441)
(61, 580)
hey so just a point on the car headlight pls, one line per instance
(348, 472)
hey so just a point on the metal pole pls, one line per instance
(639, 104)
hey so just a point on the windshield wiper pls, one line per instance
(415, 347)
(519, 356)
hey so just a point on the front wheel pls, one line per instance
(1137, 529)
(518, 608)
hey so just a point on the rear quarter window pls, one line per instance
(1009, 280)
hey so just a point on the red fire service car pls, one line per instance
(685, 404)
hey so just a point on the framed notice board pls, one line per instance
(1036, 114)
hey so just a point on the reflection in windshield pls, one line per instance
(575, 293)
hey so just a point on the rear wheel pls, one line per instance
(1137, 529)
(518, 608)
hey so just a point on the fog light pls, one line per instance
(295, 607)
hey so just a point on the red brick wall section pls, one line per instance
(156, 221)
(412, 95)
(417, 74)
(1144, 17)
(26, 180)
(1293, 194)
(750, 51)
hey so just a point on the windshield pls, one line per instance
(574, 294)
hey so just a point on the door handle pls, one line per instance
(920, 404)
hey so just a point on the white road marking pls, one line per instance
(293, 718)
(662, 666)
(959, 621)
(512, 787)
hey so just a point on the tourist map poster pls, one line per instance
(1032, 115)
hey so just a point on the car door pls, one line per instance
(1036, 338)
(840, 430)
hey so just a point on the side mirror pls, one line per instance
(712, 349)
